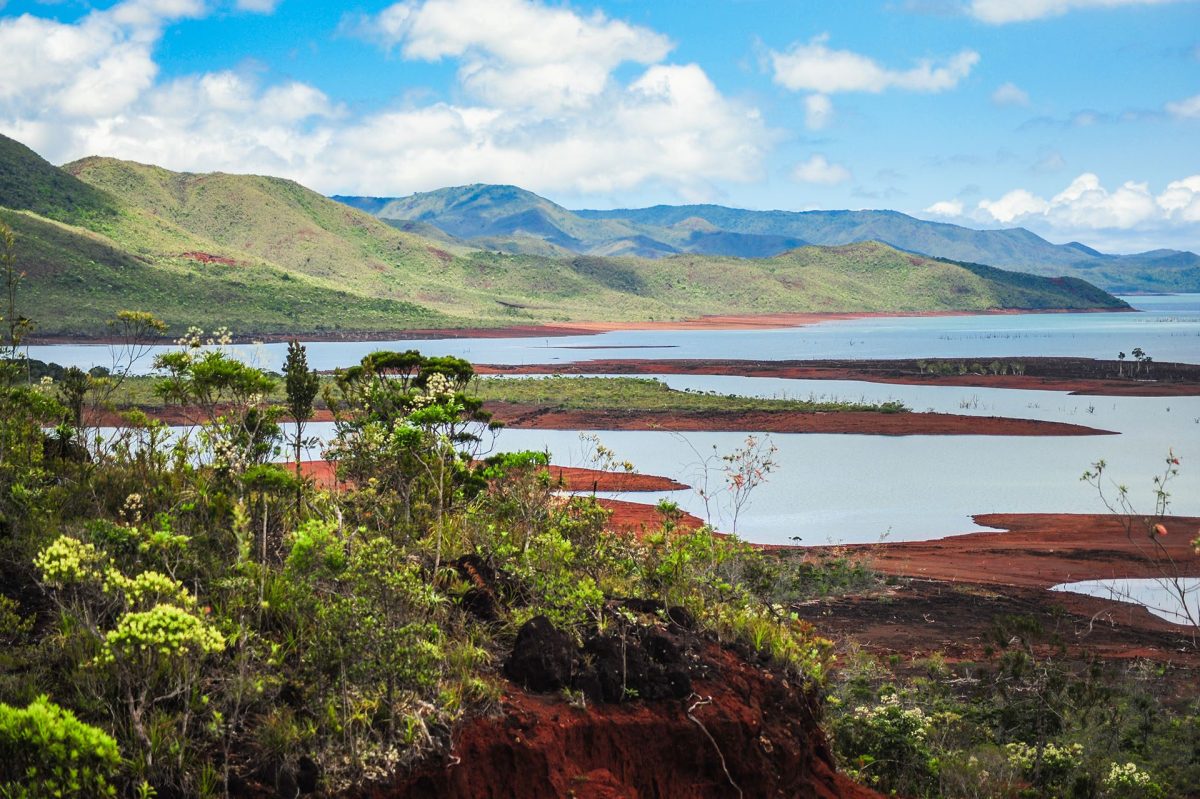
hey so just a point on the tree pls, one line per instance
(302, 386)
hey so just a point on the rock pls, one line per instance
(542, 657)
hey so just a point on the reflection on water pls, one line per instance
(1176, 601)
(1168, 330)
(857, 488)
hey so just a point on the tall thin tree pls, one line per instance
(302, 385)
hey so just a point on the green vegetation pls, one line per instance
(100, 235)
(514, 220)
(556, 392)
(1026, 721)
(183, 616)
(647, 394)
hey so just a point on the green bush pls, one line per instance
(46, 752)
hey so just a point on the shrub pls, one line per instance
(46, 751)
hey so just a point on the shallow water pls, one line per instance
(1176, 601)
(858, 488)
(1168, 329)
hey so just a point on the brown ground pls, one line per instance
(538, 747)
(540, 417)
(1038, 550)
(631, 517)
(575, 478)
(712, 322)
(868, 422)
(965, 585)
(892, 372)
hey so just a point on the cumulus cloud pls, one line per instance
(1009, 94)
(816, 68)
(948, 208)
(1085, 204)
(535, 113)
(818, 169)
(1185, 109)
(516, 51)
(1000, 12)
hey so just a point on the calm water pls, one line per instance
(1168, 329)
(1175, 601)
(852, 488)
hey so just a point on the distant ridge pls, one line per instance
(267, 256)
(514, 220)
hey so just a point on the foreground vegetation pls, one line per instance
(558, 392)
(183, 616)
(1029, 719)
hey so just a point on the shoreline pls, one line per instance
(891, 372)
(958, 590)
(772, 321)
(1037, 550)
(846, 422)
(540, 417)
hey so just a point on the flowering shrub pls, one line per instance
(46, 752)
(69, 561)
(163, 632)
(1130, 782)
(886, 745)
(1052, 767)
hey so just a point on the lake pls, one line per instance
(1167, 328)
(862, 489)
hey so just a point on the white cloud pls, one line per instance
(1015, 204)
(946, 208)
(818, 111)
(1086, 205)
(814, 67)
(93, 88)
(517, 51)
(99, 65)
(1009, 94)
(818, 169)
(999, 12)
(1181, 200)
(1187, 109)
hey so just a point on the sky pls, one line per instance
(1077, 119)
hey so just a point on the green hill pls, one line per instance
(267, 256)
(515, 220)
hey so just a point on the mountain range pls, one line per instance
(265, 255)
(514, 220)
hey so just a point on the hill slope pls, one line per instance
(515, 220)
(268, 256)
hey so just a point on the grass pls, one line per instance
(102, 235)
(646, 394)
(583, 393)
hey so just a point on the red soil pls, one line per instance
(576, 478)
(639, 518)
(1038, 550)
(868, 371)
(208, 258)
(714, 322)
(763, 727)
(631, 517)
(864, 423)
(965, 584)
(572, 478)
(539, 417)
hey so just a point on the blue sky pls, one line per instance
(1079, 119)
